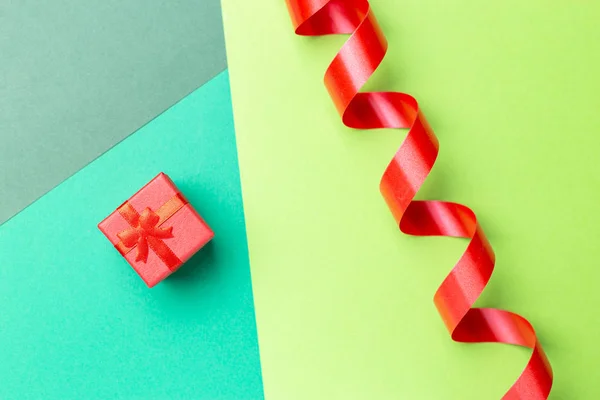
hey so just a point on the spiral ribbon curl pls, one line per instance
(351, 68)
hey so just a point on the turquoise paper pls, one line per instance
(76, 321)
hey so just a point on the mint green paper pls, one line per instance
(76, 321)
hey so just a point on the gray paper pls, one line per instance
(77, 77)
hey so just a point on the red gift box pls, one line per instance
(156, 230)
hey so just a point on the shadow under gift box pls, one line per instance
(190, 232)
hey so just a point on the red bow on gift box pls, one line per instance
(146, 233)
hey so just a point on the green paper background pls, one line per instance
(77, 77)
(343, 299)
(78, 323)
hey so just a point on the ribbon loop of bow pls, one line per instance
(144, 233)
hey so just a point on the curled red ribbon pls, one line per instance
(146, 233)
(349, 71)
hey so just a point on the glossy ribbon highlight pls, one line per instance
(351, 68)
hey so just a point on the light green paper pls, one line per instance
(78, 323)
(343, 299)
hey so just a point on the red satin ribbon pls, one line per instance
(349, 71)
(145, 232)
